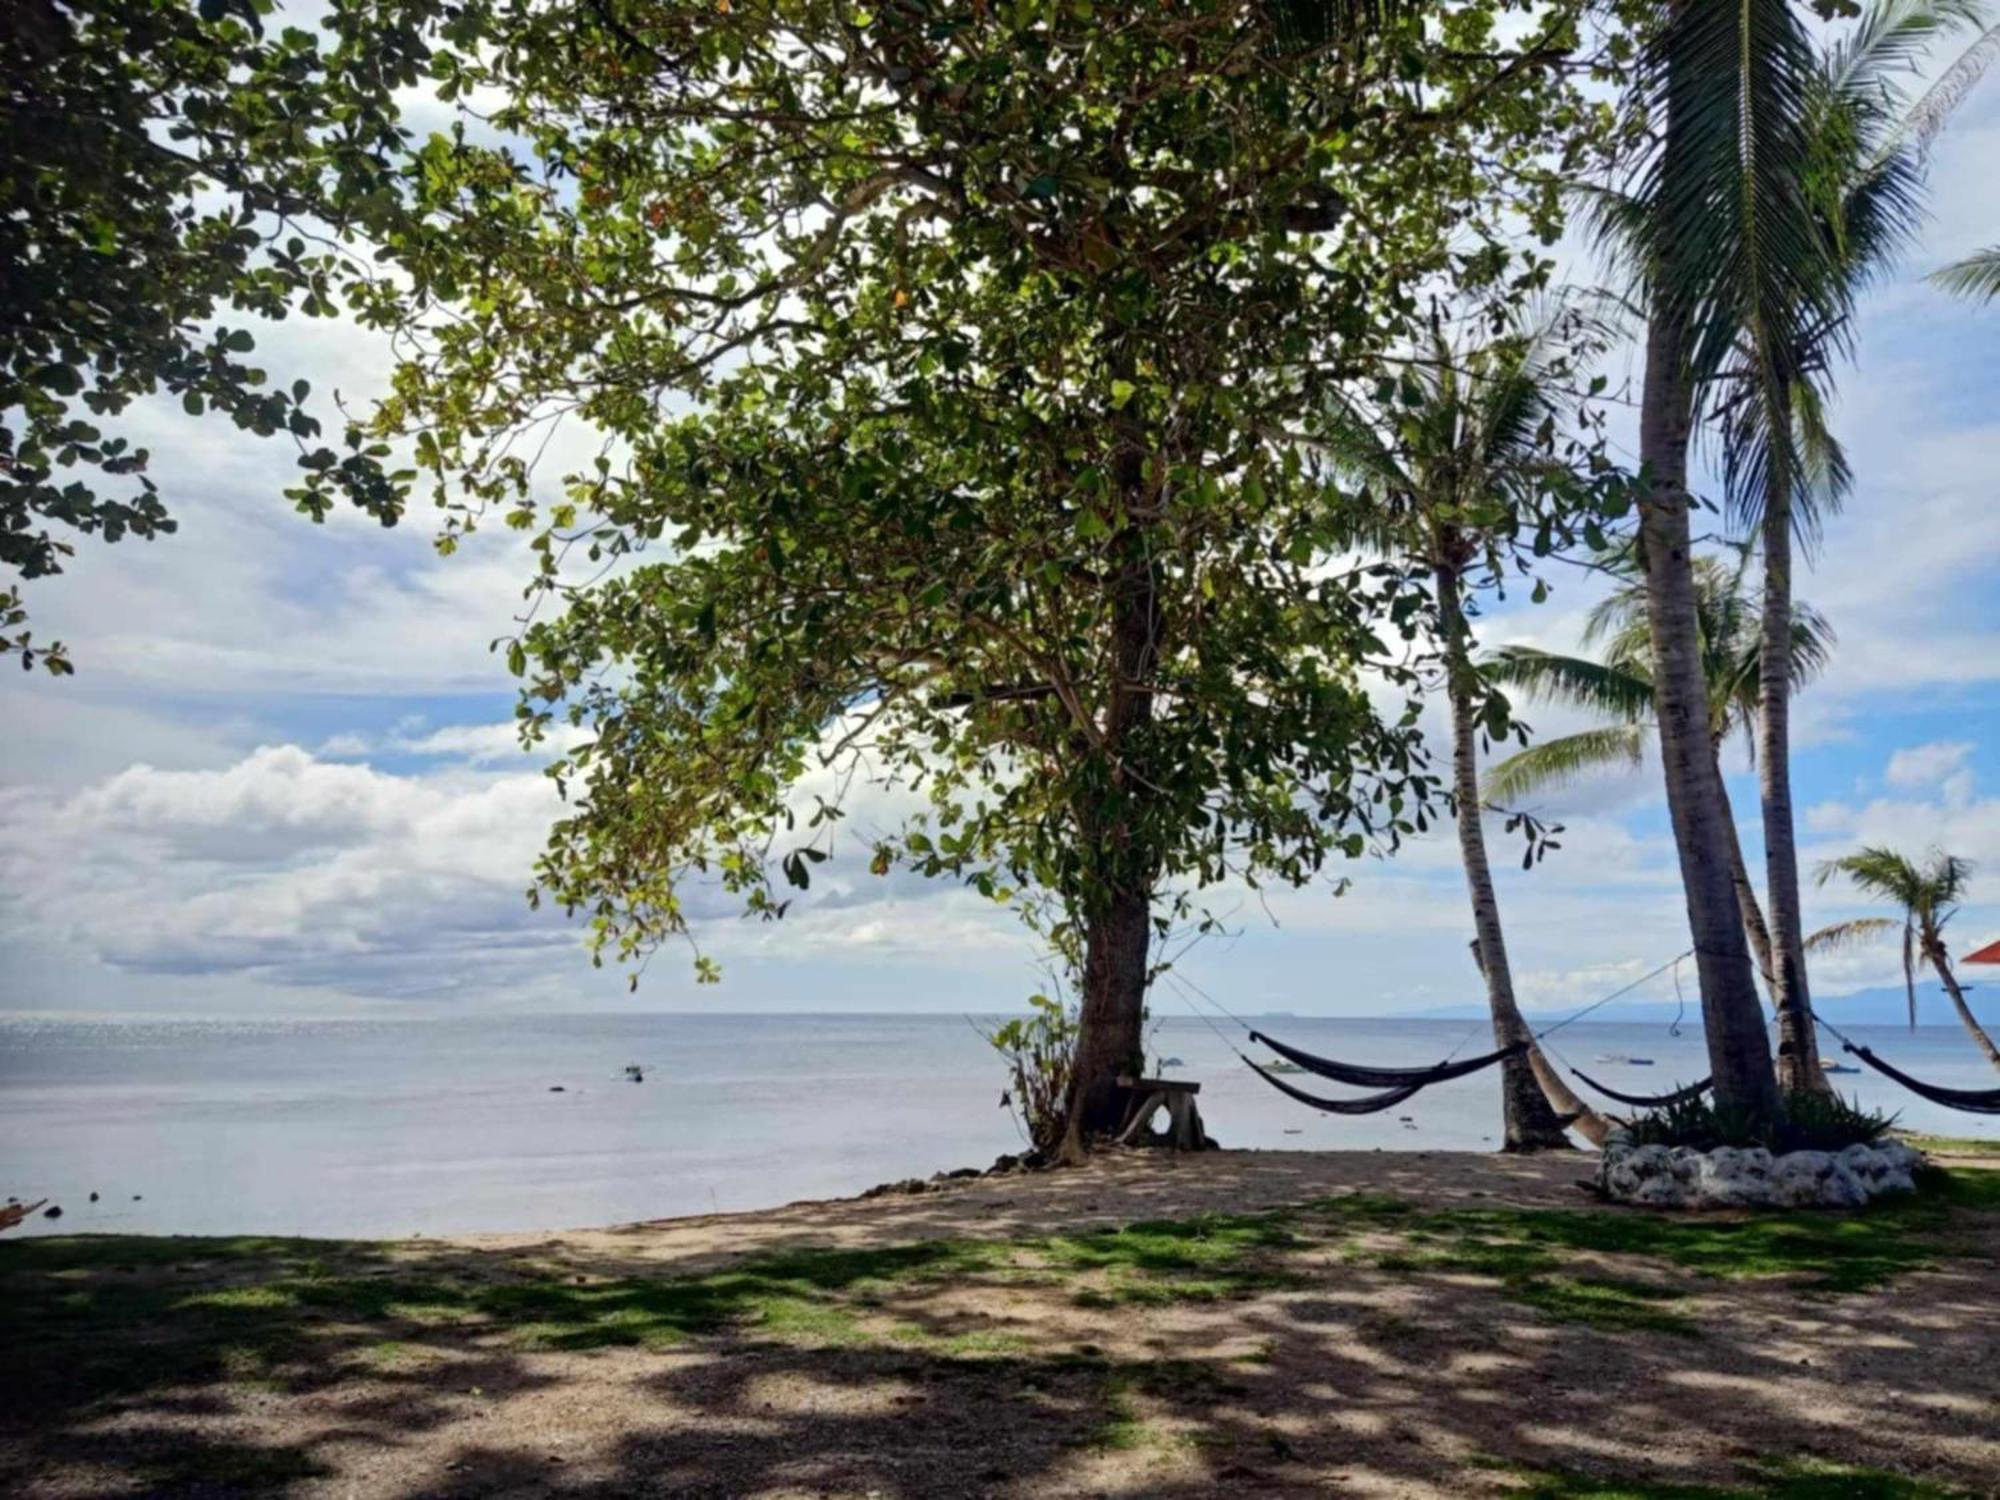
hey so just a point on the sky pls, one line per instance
(284, 780)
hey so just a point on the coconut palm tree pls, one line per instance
(1929, 895)
(1450, 477)
(1618, 684)
(1718, 234)
(1864, 173)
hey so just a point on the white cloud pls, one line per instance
(316, 874)
(1922, 766)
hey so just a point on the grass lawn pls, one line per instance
(1175, 1354)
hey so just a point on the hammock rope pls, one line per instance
(1969, 1101)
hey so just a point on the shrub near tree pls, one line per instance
(963, 362)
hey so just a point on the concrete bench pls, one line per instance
(1176, 1097)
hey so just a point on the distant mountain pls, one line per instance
(1887, 1006)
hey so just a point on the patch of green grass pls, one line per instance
(1155, 1264)
(1835, 1252)
(1120, 1428)
(1954, 1145)
(1788, 1479)
(1530, 1274)
(1605, 1302)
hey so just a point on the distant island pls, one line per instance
(1884, 1006)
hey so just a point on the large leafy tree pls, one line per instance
(168, 173)
(963, 359)
(1929, 895)
(1472, 471)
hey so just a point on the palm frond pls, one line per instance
(1891, 36)
(1838, 937)
(1555, 763)
(1947, 877)
(1977, 276)
(1825, 477)
(1554, 678)
(1878, 872)
(1932, 111)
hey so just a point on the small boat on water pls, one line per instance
(1279, 1065)
(1838, 1068)
(1630, 1062)
(1172, 1062)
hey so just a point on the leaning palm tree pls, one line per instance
(1618, 685)
(1719, 238)
(1451, 475)
(1929, 895)
(1864, 169)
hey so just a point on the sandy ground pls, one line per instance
(1350, 1378)
(1117, 1189)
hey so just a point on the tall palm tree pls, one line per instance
(1718, 233)
(1864, 173)
(1619, 685)
(1929, 895)
(1450, 476)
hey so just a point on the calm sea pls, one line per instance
(444, 1126)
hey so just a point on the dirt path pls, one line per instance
(1423, 1326)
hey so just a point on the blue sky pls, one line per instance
(283, 780)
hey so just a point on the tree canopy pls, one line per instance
(964, 362)
(173, 174)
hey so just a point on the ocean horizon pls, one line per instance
(389, 1127)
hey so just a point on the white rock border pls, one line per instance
(1682, 1177)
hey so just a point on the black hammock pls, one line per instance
(1367, 1105)
(1406, 1081)
(1648, 1101)
(1972, 1101)
(1387, 1078)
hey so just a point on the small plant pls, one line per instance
(1813, 1122)
(1040, 1049)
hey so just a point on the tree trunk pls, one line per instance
(1118, 917)
(1754, 930)
(1111, 1020)
(1528, 1110)
(1739, 1050)
(1941, 961)
(1798, 1047)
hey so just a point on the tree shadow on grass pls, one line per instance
(1486, 1348)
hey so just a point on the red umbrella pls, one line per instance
(1990, 954)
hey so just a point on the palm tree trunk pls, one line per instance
(1739, 1050)
(1798, 1047)
(1934, 950)
(1754, 930)
(1528, 1108)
